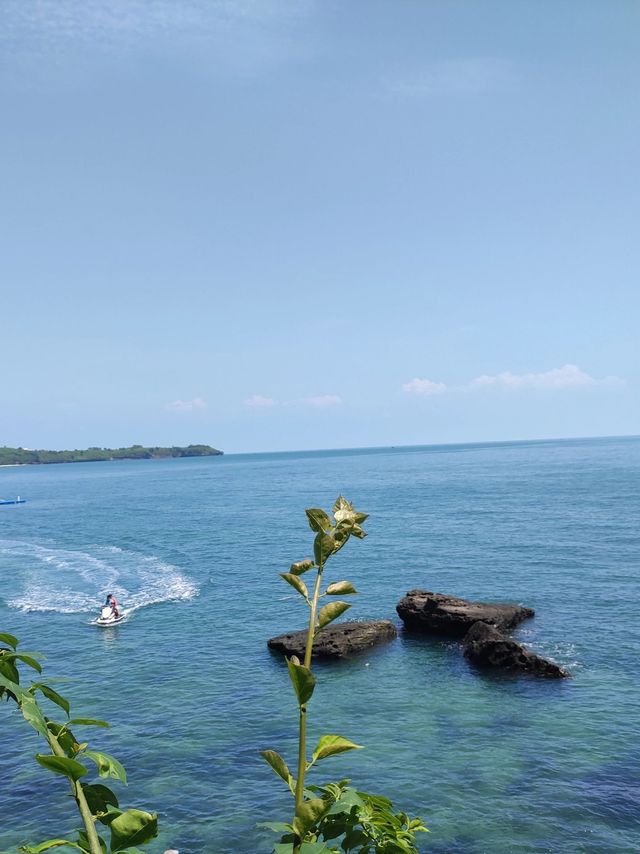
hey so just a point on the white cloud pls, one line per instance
(186, 405)
(322, 400)
(423, 387)
(566, 377)
(465, 76)
(258, 401)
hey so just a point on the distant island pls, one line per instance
(25, 456)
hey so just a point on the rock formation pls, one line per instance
(486, 646)
(336, 641)
(437, 613)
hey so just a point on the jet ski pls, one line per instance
(108, 618)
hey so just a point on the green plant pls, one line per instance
(95, 801)
(335, 814)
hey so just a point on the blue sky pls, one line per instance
(277, 225)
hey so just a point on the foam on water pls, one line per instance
(52, 578)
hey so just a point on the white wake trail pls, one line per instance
(49, 577)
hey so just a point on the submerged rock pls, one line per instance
(485, 646)
(336, 641)
(437, 613)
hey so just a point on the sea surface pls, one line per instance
(193, 547)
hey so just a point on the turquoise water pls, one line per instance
(494, 764)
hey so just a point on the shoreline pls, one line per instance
(41, 456)
(112, 460)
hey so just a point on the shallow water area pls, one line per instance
(192, 549)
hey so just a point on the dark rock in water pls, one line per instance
(337, 641)
(439, 614)
(485, 646)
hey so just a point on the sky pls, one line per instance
(288, 224)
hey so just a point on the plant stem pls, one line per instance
(312, 618)
(302, 732)
(81, 801)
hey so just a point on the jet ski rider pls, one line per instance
(112, 602)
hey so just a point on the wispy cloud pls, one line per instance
(569, 376)
(423, 387)
(464, 76)
(323, 400)
(186, 405)
(258, 401)
(566, 377)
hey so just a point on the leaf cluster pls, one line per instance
(330, 536)
(68, 756)
(338, 819)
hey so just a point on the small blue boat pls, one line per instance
(17, 500)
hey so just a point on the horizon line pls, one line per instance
(435, 444)
(475, 443)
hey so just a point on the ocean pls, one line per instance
(192, 548)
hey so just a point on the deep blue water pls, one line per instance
(493, 764)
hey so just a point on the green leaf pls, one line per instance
(110, 814)
(50, 843)
(348, 799)
(108, 766)
(14, 687)
(296, 582)
(328, 745)
(341, 536)
(345, 514)
(308, 814)
(276, 826)
(32, 713)
(345, 517)
(356, 838)
(52, 695)
(26, 658)
(273, 758)
(330, 612)
(303, 681)
(133, 827)
(323, 547)
(339, 588)
(10, 640)
(66, 739)
(83, 839)
(9, 670)
(99, 797)
(341, 503)
(318, 519)
(305, 848)
(87, 722)
(62, 765)
(301, 566)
